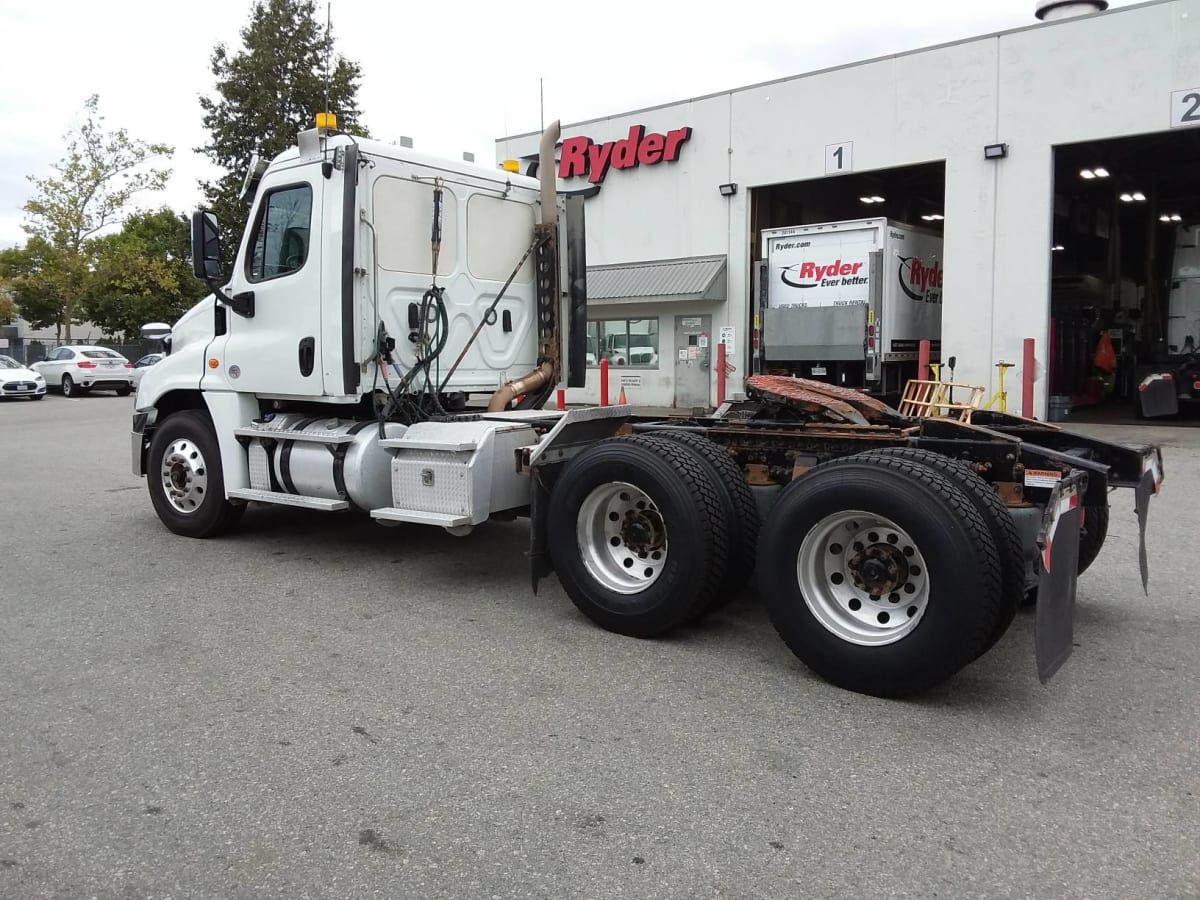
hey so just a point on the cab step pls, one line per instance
(420, 517)
(283, 499)
(314, 437)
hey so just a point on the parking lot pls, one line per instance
(318, 706)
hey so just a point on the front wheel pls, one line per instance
(184, 476)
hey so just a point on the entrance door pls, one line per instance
(278, 350)
(693, 360)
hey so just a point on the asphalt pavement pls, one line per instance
(318, 706)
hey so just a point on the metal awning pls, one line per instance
(696, 278)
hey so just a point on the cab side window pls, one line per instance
(281, 236)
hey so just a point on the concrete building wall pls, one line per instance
(1088, 78)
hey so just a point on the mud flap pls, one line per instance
(1151, 484)
(539, 552)
(1058, 540)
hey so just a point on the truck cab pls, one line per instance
(371, 283)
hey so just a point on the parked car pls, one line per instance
(140, 367)
(77, 370)
(16, 380)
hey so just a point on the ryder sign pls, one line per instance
(582, 156)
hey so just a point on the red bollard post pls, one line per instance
(923, 361)
(1027, 367)
(562, 399)
(604, 382)
(720, 373)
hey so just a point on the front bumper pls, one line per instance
(22, 389)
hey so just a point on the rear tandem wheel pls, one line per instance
(637, 535)
(740, 509)
(1000, 522)
(880, 574)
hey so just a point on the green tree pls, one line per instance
(91, 189)
(268, 91)
(8, 309)
(38, 276)
(141, 274)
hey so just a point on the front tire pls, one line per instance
(637, 535)
(881, 576)
(183, 472)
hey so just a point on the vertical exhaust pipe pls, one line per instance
(536, 387)
(546, 172)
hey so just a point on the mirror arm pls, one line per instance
(242, 304)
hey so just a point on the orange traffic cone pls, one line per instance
(621, 401)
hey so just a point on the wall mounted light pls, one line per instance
(934, 217)
(1135, 197)
(872, 199)
(995, 151)
(1058, 248)
(728, 190)
(1089, 174)
(1170, 217)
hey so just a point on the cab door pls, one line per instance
(275, 350)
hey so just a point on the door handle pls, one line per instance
(307, 355)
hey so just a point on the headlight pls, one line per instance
(39, 378)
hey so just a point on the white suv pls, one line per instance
(77, 370)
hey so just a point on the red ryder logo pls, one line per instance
(924, 282)
(580, 156)
(811, 274)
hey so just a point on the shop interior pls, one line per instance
(911, 195)
(915, 195)
(1125, 277)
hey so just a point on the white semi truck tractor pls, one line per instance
(385, 342)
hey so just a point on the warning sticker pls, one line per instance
(1042, 478)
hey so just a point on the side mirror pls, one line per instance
(206, 246)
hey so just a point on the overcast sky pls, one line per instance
(452, 75)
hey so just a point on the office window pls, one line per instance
(628, 343)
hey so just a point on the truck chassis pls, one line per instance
(890, 552)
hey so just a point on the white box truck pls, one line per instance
(849, 302)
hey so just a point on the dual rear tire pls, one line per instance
(885, 573)
(637, 531)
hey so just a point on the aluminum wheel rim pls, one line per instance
(622, 538)
(184, 476)
(863, 577)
